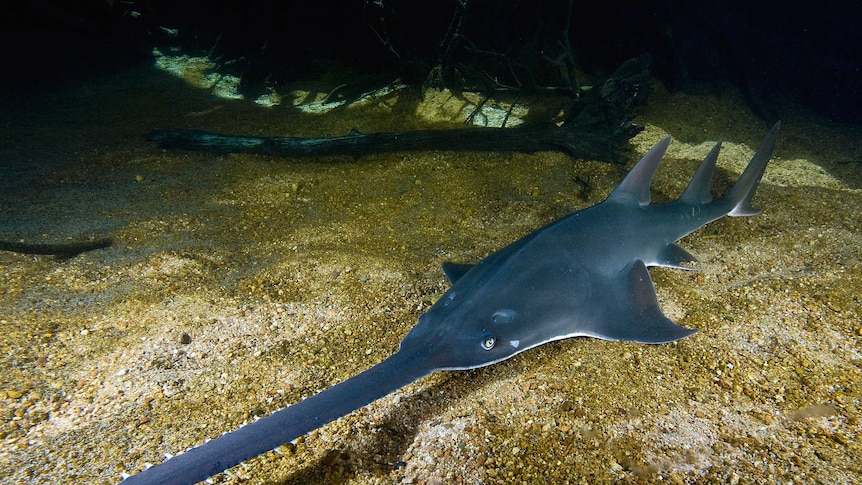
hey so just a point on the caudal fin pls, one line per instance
(743, 190)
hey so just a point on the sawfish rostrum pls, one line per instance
(583, 275)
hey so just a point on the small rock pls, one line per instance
(330, 457)
(840, 439)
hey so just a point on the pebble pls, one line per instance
(840, 439)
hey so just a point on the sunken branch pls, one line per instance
(598, 125)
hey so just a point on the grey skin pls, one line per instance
(584, 275)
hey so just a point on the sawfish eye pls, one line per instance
(488, 342)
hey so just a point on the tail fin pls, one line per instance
(743, 190)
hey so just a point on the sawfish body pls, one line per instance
(583, 275)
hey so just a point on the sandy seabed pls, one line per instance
(239, 284)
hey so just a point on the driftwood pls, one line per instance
(521, 139)
(597, 127)
(59, 251)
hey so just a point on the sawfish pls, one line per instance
(584, 275)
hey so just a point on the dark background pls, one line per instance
(806, 54)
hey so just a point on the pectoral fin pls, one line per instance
(454, 271)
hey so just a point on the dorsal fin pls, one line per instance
(698, 190)
(636, 184)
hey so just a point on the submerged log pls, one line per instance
(597, 127)
(526, 139)
(59, 251)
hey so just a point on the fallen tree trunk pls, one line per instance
(526, 139)
(597, 127)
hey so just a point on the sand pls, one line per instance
(238, 284)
